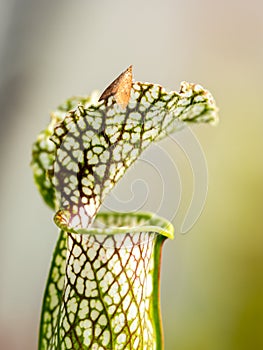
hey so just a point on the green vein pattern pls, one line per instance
(103, 287)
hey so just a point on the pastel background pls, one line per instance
(212, 277)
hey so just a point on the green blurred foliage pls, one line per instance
(218, 300)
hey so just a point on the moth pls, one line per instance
(120, 88)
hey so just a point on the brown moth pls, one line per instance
(120, 88)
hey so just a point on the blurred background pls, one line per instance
(212, 277)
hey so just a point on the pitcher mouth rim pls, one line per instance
(151, 222)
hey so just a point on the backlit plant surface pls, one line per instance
(102, 290)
